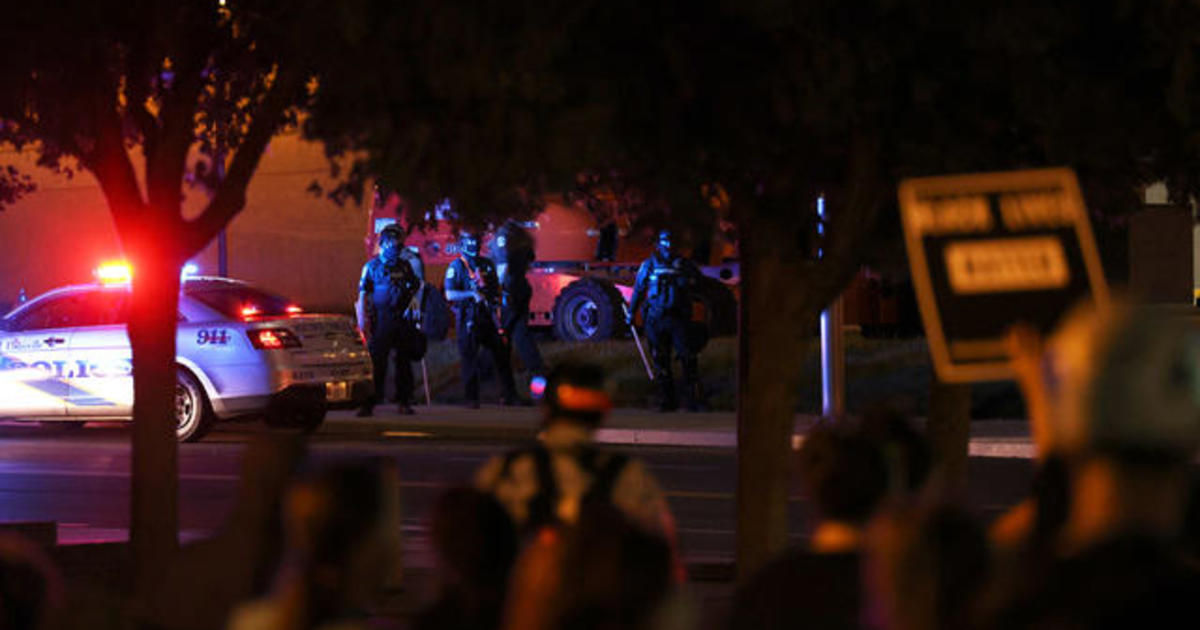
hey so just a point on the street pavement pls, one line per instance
(79, 479)
(75, 482)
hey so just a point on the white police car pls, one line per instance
(241, 352)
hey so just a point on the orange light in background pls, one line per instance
(294, 310)
(114, 272)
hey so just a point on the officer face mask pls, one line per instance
(470, 246)
(389, 248)
(664, 246)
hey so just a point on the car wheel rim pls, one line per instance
(584, 316)
(185, 407)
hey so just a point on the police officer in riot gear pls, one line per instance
(385, 308)
(664, 286)
(514, 253)
(473, 289)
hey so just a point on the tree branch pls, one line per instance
(141, 67)
(110, 164)
(230, 197)
(166, 165)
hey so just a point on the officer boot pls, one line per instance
(693, 391)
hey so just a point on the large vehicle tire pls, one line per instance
(720, 308)
(588, 310)
(193, 413)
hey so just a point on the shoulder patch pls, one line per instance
(450, 273)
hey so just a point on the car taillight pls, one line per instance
(273, 339)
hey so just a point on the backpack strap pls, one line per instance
(543, 505)
(604, 468)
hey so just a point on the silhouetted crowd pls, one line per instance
(562, 534)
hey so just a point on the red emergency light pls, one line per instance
(273, 339)
(249, 311)
(114, 272)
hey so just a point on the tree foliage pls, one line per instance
(184, 83)
(198, 88)
(778, 101)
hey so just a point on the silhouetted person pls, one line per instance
(386, 309)
(924, 568)
(602, 573)
(476, 545)
(341, 530)
(551, 480)
(847, 472)
(30, 587)
(473, 288)
(1112, 396)
(515, 252)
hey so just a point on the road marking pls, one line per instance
(116, 474)
(64, 472)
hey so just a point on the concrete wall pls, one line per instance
(286, 239)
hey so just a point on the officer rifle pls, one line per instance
(493, 309)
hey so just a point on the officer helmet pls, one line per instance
(664, 242)
(392, 230)
(468, 242)
(391, 237)
(576, 391)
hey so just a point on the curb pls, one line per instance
(1008, 444)
(979, 447)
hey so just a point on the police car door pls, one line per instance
(101, 361)
(33, 358)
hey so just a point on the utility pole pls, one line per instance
(833, 347)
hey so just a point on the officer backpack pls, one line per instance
(668, 286)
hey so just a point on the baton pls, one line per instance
(425, 381)
(638, 342)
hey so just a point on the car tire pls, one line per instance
(193, 413)
(588, 310)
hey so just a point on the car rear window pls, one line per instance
(240, 302)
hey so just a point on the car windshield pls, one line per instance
(240, 301)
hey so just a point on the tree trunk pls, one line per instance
(769, 349)
(949, 432)
(154, 522)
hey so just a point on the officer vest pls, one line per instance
(394, 286)
(668, 285)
